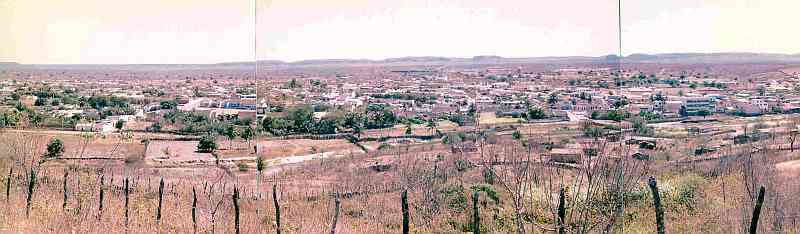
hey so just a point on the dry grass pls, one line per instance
(707, 197)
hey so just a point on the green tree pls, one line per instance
(516, 135)
(120, 123)
(472, 109)
(617, 115)
(552, 99)
(35, 118)
(76, 118)
(55, 149)
(358, 130)
(379, 116)
(11, 118)
(621, 103)
(640, 127)
(207, 144)
(155, 127)
(431, 124)
(293, 84)
(248, 134)
(231, 132)
(168, 105)
(325, 126)
(536, 113)
(39, 102)
(302, 119)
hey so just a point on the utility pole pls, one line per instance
(255, 71)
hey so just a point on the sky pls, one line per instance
(211, 31)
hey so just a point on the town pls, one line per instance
(303, 124)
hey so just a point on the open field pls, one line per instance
(490, 118)
(177, 153)
(270, 149)
(79, 145)
(370, 197)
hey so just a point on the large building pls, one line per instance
(694, 105)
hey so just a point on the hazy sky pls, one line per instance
(209, 31)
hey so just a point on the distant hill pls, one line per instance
(640, 56)
(675, 58)
(417, 59)
(633, 58)
(713, 58)
(487, 59)
(260, 62)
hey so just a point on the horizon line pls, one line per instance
(380, 59)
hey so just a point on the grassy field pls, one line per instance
(489, 118)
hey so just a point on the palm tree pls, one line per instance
(231, 132)
(432, 125)
(247, 134)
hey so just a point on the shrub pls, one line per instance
(242, 166)
(207, 144)
(55, 149)
(516, 135)
(455, 198)
(462, 165)
(686, 190)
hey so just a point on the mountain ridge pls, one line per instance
(717, 57)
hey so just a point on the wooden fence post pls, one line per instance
(160, 200)
(336, 205)
(194, 210)
(100, 207)
(277, 208)
(236, 208)
(66, 177)
(8, 183)
(404, 206)
(127, 199)
(657, 205)
(562, 212)
(757, 211)
(31, 185)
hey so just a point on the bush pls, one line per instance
(462, 165)
(686, 190)
(55, 149)
(383, 146)
(455, 198)
(242, 166)
(536, 113)
(207, 144)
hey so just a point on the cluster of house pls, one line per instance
(562, 92)
(215, 96)
(505, 90)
